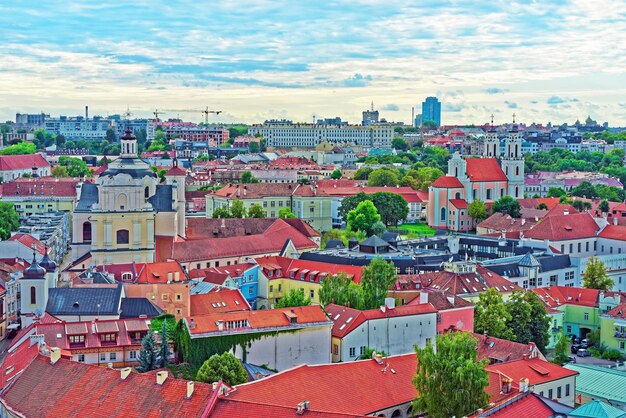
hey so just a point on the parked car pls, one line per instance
(575, 348)
(572, 359)
(584, 343)
(583, 353)
(573, 339)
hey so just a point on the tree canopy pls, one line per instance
(336, 174)
(363, 217)
(9, 220)
(491, 315)
(477, 210)
(450, 381)
(256, 211)
(76, 167)
(595, 276)
(148, 355)
(384, 176)
(237, 210)
(222, 367)
(295, 297)
(391, 207)
(19, 149)
(286, 213)
(376, 280)
(248, 178)
(506, 204)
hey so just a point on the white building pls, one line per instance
(15, 166)
(78, 127)
(394, 330)
(285, 134)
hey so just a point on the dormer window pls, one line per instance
(76, 340)
(108, 338)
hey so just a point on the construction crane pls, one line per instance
(156, 113)
(205, 112)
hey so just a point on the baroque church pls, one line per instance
(485, 178)
(118, 219)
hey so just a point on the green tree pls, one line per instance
(378, 228)
(222, 212)
(9, 220)
(248, 178)
(350, 203)
(341, 290)
(19, 149)
(539, 324)
(595, 276)
(580, 205)
(110, 135)
(164, 347)
(506, 204)
(542, 206)
(376, 280)
(286, 213)
(76, 167)
(254, 147)
(60, 171)
(160, 173)
(519, 317)
(363, 173)
(363, 217)
(222, 367)
(384, 176)
(421, 178)
(492, 316)
(399, 143)
(477, 210)
(392, 207)
(295, 297)
(561, 350)
(450, 380)
(585, 189)
(604, 206)
(336, 174)
(256, 211)
(237, 210)
(148, 356)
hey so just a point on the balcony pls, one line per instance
(620, 335)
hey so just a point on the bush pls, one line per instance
(611, 354)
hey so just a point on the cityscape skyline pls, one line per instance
(261, 60)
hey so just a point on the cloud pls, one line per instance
(510, 105)
(391, 107)
(555, 100)
(495, 90)
(452, 107)
(357, 80)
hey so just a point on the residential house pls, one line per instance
(42, 194)
(277, 338)
(389, 329)
(525, 404)
(600, 383)
(15, 166)
(279, 275)
(530, 271)
(497, 350)
(244, 277)
(453, 312)
(218, 300)
(613, 328)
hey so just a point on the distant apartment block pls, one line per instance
(33, 119)
(285, 134)
(78, 127)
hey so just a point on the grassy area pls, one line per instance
(420, 229)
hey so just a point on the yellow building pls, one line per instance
(117, 219)
(41, 194)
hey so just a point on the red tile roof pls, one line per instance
(537, 371)
(558, 227)
(17, 359)
(484, 169)
(312, 269)
(618, 312)
(447, 182)
(260, 190)
(555, 296)
(346, 319)
(22, 162)
(499, 350)
(525, 404)
(532, 203)
(230, 408)
(88, 390)
(359, 387)
(443, 301)
(176, 171)
(270, 241)
(28, 241)
(271, 318)
(160, 272)
(218, 301)
(617, 232)
(41, 186)
(459, 203)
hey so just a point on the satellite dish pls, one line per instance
(38, 312)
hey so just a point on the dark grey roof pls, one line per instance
(84, 301)
(162, 199)
(96, 277)
(134, 167)
(134, 307)
(375, 241)
(334, 243)
(554, 262)
(529, 260)
(508, 269)
(88, 196)
(390, 236)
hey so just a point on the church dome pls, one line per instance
(48, 264)
(34, 271)
(128, 163)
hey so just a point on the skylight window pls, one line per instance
(348, 321)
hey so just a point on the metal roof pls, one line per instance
(600, 382)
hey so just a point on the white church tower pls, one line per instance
(34, 292)
(513, 162)
(492, 143)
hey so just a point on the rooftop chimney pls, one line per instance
(55, 354)
(190, 388)
(125, 372)
(390, 303)
(86, 112)
(423, 298)
(161, 376)
(506, 384)
(192, 323)
(302, 406)
(523, 384)
(565, 211)
(220, 325)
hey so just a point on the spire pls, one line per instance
(128, 143)
(372, 105)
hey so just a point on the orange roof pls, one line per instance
(218, 301)
(532, 203)
(555, 296)
(22, 162)
(160, 272)
(447, 182)
(81, 389)
(230, 408)
(459, 203)
(257, 320)
(535, 370)
(484, 169)
(618, 312)
(617, 232)
(558, 227)
(314, 270)
(29, 241)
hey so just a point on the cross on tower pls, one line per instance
(128, 113)
(513, 117)
(492, 120)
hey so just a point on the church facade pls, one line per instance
(485, 178)
(118, 219)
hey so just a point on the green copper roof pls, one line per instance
(597, 409)
(600, 382)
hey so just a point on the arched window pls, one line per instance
(443, 214)
(33, 295)
(502, 191)
(87, 231)
(517, 170)
(456, 172)
(457, 195)
(121, 201)
(489, 194)
(516, 191)
(146, 192)
(506, 170)
(122, 236)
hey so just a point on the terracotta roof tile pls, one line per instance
(22, 162)
(218, 301)
(459, 203)
(559, 227)
(537, 371)
(41, 186)
(555, 296)
(617, 232)
(287, 266)
(447, 182)
(484, 169)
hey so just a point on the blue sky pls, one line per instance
(544, 60)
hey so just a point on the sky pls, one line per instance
(545, 61)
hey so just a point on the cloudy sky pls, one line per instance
(544, 60)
